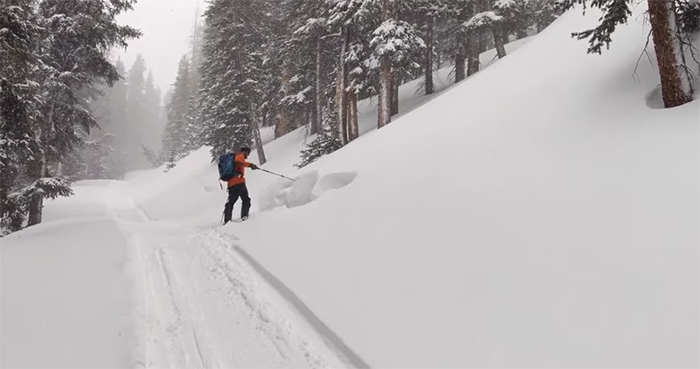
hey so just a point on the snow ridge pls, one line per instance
(331, 337)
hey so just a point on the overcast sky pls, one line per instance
(166, 26)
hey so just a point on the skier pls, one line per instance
(236, 185)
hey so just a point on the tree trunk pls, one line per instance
(255, 127)
(459, 67)
(472, 55)
(282, 126)
(498, 39)
(354, 131)
(340, 90)
(395, 83)
(675, 88)
(318, 112)
(384, 94)
(384, 111)
(37, 170)
(36, 202)
(429, 85)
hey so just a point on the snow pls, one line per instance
(482, 19)
(539, 214)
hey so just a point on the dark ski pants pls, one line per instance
(234, 192)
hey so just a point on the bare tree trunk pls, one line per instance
(384, 117)
(429, 85)
(459, 67)
(318, 112)
(37, 171)
(384, 108)
(472, 55)
(282, 126)
(340, 90)
(255, 127)
(395, 83)
(354, 131)
(498, 39)
(675, 89)
(36, 202)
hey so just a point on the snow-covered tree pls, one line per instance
(426, 14)
(353, 21)
(462, 46)
(152, 128)
(176, 135)
(136, 114)
(17, 140)
(543, 13)
(67, 75)
(395, 42)
(231, 88)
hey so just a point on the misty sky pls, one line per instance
(166, 26)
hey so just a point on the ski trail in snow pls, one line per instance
(200, 304)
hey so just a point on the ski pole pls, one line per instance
(276, 174)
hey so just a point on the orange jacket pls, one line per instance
(239, 165)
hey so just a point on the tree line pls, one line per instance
(54, 62)
(307, 63)
(294, 63)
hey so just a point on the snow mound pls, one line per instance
(304, 189)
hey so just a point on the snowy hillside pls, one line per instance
(543, 213)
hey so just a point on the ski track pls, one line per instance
(200, 304)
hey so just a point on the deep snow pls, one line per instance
(540, 213)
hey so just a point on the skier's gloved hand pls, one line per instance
(253, 166)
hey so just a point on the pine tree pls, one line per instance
(425, 14)
(353, 20)
(544, 12)
(17, 141)
(136, 113)
(67, 75)
(117, 96)
(176, 135)
(672, 41)
(393, 44)
(231, 74)
(193, 126)
(152, 128)
(308, 53)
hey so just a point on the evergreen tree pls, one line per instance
(426, 14)
(67, 75)
(393, 44)
(152, 128)
(136, 115)
(672, 40)
(306, 90)
(119, 125)
(176, 136)
(230, 88)
(17, 141)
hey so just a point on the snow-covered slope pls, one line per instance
(538, 214)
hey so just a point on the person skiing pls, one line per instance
(236, 185)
